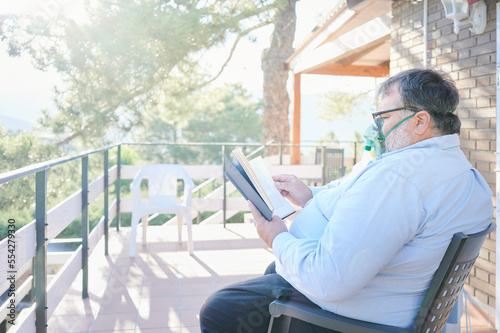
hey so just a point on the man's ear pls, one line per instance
(423, 122)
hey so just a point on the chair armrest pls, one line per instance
(135, 188)
(136, 181)
(188, 191)
(317, 316)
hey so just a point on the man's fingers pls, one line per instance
(283, 186)
(283, 192)
(283, 178)
(280, 177)
(284, 183)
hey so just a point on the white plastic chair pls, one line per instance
(162, 189)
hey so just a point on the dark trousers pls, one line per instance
(243, 307)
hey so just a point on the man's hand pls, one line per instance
(293, 188)
(267, 230)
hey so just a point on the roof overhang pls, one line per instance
(353, 42)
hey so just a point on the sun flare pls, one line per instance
(43, 8)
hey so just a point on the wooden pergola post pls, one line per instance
(295, 158)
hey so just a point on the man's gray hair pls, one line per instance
(429, 90)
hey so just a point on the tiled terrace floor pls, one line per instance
(162, 288)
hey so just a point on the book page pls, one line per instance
(253, 177)
(282, 207)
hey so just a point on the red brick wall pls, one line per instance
(470, 59)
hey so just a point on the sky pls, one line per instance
(25, 91)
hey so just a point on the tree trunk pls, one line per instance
(275, 96)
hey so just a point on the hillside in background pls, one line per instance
(11, 123)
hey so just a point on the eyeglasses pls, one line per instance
(378, 120)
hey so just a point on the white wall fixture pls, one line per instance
(458, 11)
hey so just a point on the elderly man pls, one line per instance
(368, 248)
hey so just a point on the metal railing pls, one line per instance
(46, 227)
(39, 258)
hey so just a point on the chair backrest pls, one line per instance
(334, 162)
(448, 281)
(162, 179)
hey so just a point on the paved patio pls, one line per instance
(162, 288)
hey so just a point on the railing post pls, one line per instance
(323, 161)
(106, 201)
(32, 291)
(41, 251)
(118, 185)
(85, 226)
(198, 218)
(281, 152)
(355, 152)
(224, 180)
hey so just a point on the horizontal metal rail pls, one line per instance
(248, 144)
(18, 173)
(195, 144)
(15, 174)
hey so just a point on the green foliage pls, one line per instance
(74, 229)
(238, 218)
(337, 104)
(216, 110)
(20, 150)
(327, 139)
(224, 114)
(17, 198)
(132, 64)
(128, 58)
(128, 156)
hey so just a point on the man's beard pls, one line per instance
(398, 138)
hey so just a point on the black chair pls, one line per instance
(436, 307)
(333, 164)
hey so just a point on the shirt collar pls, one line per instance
(443, 142)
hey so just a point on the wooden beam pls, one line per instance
(295, 158)
(366, 51)
(351, 70)
(365, 12)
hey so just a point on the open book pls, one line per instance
(254, 182)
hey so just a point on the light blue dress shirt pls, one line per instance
(368, 248)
